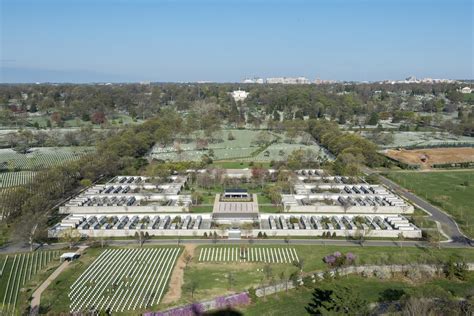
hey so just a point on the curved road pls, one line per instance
(449, 226)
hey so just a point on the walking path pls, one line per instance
(177, 277)
(36, 297)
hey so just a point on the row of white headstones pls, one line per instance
(259, 254)
(124, 279)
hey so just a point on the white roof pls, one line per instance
(68, 255)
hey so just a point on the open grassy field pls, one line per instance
(373, 290)
(453, 191)
(213, 277)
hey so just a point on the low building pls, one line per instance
(239, 95)
(236, 194)
(466, 90)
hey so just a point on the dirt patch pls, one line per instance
(177, 277)
(428, 157)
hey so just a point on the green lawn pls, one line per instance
(4, 233)
(201, 209)
(453, 191)
(268, 209)
(313, 255)
(212, 277)
(372, 289)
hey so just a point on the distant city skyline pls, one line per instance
(228, 41)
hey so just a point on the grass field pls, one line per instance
(212, 277)
(371, 289)
(453, 191)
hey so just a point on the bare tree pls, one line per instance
(71, 236)
(187, 258)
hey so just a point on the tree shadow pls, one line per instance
(390, 295)
(224, 312)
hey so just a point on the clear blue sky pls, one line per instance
(227, 40)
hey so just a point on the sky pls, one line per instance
(229, 40)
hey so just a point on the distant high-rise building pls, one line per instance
(288, 80)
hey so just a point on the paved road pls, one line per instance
(449, 226)
(320, 242)
(317, 242)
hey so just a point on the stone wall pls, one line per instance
(366, 270)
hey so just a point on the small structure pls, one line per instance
(236, 194)
(234, 233)
(69, 256)
(239, 95)
(466, 90)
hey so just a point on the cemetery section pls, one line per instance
(316, 193)
(248, 254)
(122, 280)
(131, 194)
(320, 205)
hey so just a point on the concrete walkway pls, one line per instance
(36, 297)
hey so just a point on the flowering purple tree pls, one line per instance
(337, 259)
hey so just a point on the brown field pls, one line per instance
(427, 157)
